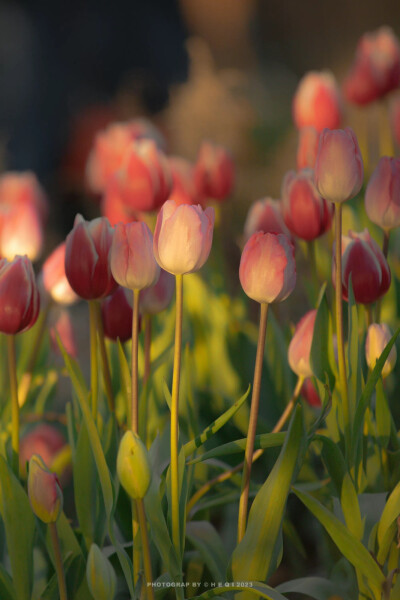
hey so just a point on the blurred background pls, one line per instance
(222, 70)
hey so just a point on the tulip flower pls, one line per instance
(307, 148)
(21, 232)
(265, 215)
(44, 491)
(305, 213)
(300, 345)
(117, 316)
(183, 237)
(133, 466)
(338, 172)
(132, 259)
(267, 267)
(19, 296)
(158, 297)
(310, 394)
(214, 172)
(87, 264)
(54, 279)
(23, 189)
(112, 207)
(364, 261)
(100, 575)
(184, 189)
(382, 196)
(44, 440)
(144, 180)
(376, 68)
(317, 102)
(378, 337)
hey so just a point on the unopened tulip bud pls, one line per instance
(100, 575)
(214, 172)
(132, 258)
(116, 313)
(157, 297)
(338, 171)
(378, 337)
(300, 346)
(183, 237)
(19, 295)
(317, 101)
(54, 279)
(133, 466)
(308, 148)
(266, 216)
(44, 491)
(267, 269)
(382, 196)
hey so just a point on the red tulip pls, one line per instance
(156, 298)
(44, 440)
(317, 102)
(338, 172)
(364, 261)
(117, 316)
(54, 279)
(184, 190)
(300, 345)
(305, 213)
(214, 172)
(308, 147)
(113, 208)
(265, 215)
(382, 196)
(267, 267)
(87, 263)
(19, 296)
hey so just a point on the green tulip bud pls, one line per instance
(133, 466)
(100, 575)
(44, 491)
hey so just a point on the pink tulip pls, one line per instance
(54, 279)
(61, 326)
(265, 215)
(364, 261)
(267, 269)
(184, 190)
(382, 196)
(308, 147)
(23, 189)
(376, 68)
(21, 232)
(132, 259)
(310, 394)
(44, 491)
(144, 180)
(87, 261)
(300, 346)
(113, 208)
(116, 312)
(378, 337)
(338, 172)
(317, 101)
(157, 298)
(19, 295)
(183, 237)
(44, 440)
(214, 172)
(306, 214)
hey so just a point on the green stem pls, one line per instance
(12, 369)
(147, 347)
(58, 561)
(251, 434)
(134, 363)
(313, 259)
(104, 359)
(145, 547)
(94, 366)
(175, 415)
(368, 315)
(144, 400)
(135, 539)
(339, 323)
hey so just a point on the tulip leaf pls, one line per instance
(7, 591)
(383, 416)
(253, 558)
(314, 587)
(351, 508)
(321, 356)
(354, 362)
(389, 517)
(19, 524)
(348, 544)
(263, 440)
(126, 381)
(206, 540)
(334, 461)
(215, 426)
(252, 587)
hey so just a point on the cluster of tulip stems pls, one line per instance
(128, 275)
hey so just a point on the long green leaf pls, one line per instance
(264, 440)
(206, 540)
(389, 514)
(321, 356)
(252, 587)
(348, 545)
(334, 461)
(212, 429)
(316, 587)
(351, 508)
(354, 362)
(7, 590)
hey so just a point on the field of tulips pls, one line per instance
(203, 443)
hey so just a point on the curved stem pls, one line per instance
(228, 474)
(339, 322)
(12, 369)
(148, 574)
(175, 415)
(58, 561)
(251, 434)
(105, 366)
(134, 363)
(94, 367)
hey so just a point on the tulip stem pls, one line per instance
(175, 415)
(251, 434)
(58, 561)
(135, 539)
(12, 369)
(148, 574)
(94, 366)
(104, 360)
(368, 314)
(339, 322)
(147, 347)
(228, 474)
(135, 345)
